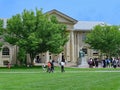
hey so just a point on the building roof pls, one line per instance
(63, 15)
(86, 25)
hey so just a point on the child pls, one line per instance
(44, 67)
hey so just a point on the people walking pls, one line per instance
(90, 62)
(62, 66)
(114, 63)
(44, 67)
(52, 66)
(49, 67)
(96, 62)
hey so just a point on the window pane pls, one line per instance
(95, 52)
(83, 36)
(5, 51)
(85, 50)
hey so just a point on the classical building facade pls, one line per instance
(77, 34)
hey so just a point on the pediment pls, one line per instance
(62, 17)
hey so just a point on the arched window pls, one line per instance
(5, 51)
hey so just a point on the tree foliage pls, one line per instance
(105, 38)
(22, 56)
(36, 32)
(1, 30)
(1, 24)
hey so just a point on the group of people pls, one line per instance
(50, 66)
(112, 62)
(93, 62)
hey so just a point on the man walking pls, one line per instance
(62, 66)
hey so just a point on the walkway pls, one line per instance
(107, 71)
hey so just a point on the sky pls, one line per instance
(107, 11)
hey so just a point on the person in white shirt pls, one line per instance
(62, 66)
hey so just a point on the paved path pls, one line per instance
(107, 71)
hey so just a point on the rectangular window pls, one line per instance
(95, 52)
(84, 50)
(5, 62)
(83, 36)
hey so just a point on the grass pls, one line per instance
(71, 79)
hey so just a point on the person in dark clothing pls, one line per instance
(52, 66)
(96, 62)
(104, 64)
(63, 58)
(114, 63)
(90, 62)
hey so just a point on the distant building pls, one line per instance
(77, 30)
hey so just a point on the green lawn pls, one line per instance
(71, 79)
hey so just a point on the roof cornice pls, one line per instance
(63, 15)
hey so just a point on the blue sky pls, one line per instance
(82, 10)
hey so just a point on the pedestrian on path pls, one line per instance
(44, 67)
(49, 67)
(52, 66)
(9, 65)
(62, 66)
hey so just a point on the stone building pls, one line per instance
(77, 34)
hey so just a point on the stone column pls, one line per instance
(59, 58)
(72, 47)
(67, 51)
(14, 52)
(47, 57)
(1, 61)
(78, 45)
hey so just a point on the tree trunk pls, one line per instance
(32, 56)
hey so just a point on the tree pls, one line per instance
(36, 33)
(22, 56)
(1, 30)
(105, 38)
